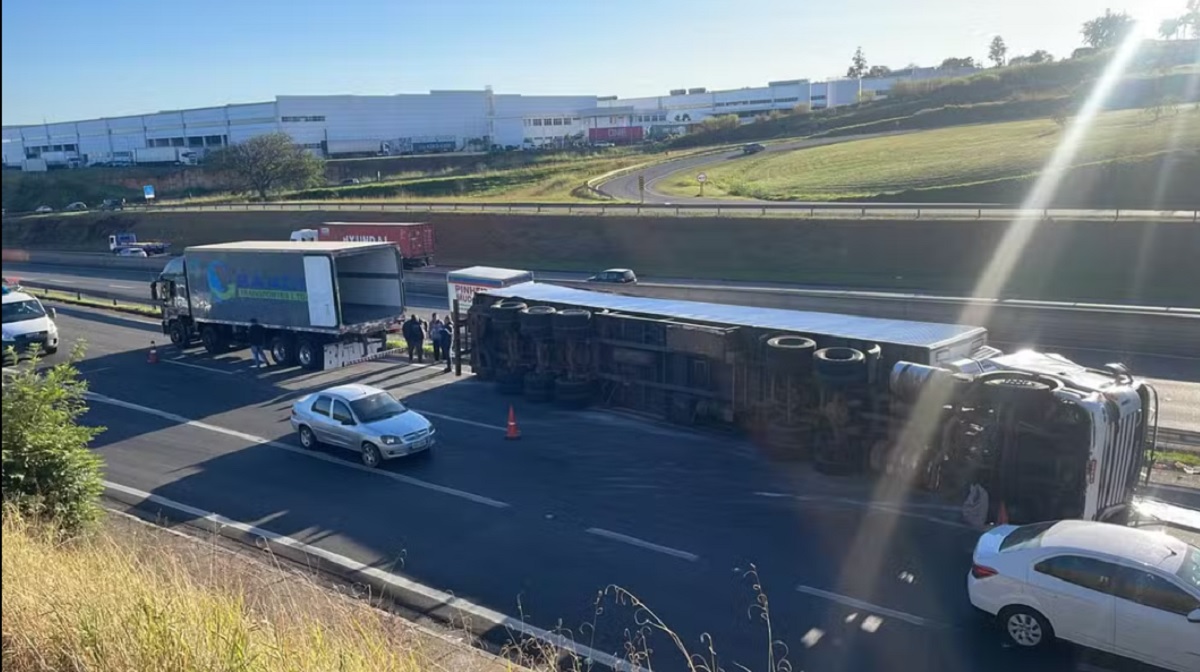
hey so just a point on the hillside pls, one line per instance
(974, 156)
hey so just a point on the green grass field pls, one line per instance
(940, 158)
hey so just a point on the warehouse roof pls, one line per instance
(287, 246)
(874, 329)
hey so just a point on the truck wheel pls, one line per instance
(214, 341)
(571, 322)
(283, 350)
(504, 313)
(179, 334)
(310, 354)
(840, 366)
(790, 354)
(535, 321)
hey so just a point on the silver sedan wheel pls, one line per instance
(370, 455)
(306, 437)
(1024, 629)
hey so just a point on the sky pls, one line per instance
(66, 60)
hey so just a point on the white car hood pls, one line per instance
(399, 425)
(15, 329)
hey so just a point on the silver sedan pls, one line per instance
(364, 419)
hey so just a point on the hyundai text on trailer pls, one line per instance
(922, 403)
(323, 304)
(415, 239)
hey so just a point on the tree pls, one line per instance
(721, 122)
(858, 64)
(48, 470)
(879, 71)
(1191, 18)
(1170, 28)
(998, 51)
(1108, 31)
(1039, 56)
(266, 163)
(954, 63)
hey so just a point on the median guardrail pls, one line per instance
(802, 210)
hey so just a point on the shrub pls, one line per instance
(48, 470)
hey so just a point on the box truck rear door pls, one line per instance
(318, 282)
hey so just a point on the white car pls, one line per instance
(27, 325)
(1130, 592)
(364, 419)
(43, 209)
(131, 252)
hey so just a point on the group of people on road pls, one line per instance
(439, 332)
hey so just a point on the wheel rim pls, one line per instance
(279, 353)
(1024, 629)
(370, 457)
(305, 356)
(306, 437)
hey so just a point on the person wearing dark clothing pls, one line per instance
(257, 336)
(435, 332)
(414, 337)
(441, 340)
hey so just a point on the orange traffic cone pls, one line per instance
(513, 432)
(1002, 515)
(152, 356)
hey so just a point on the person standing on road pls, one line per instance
(414, 337)
(441, 340)
(257, 336)
(435, 336)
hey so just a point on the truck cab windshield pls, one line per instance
(377, 407)
(19, 311)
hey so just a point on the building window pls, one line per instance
(319, 117)
(558, 122)
(786, 100)
(537, 122)
(214, 140)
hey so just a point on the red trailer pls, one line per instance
(415, 239)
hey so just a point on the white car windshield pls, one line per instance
(19, 311)
(1189, 570)
(377, 407)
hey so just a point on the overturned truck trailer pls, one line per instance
(929, 403)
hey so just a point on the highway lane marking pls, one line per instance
(451, 418)
(867, 606)
(197, 366)
(875, 507)
(121, 286)
(428, 592)
(401, 478)
(642, 543)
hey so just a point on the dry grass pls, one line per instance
(130, 598)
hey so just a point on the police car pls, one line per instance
(27, 323)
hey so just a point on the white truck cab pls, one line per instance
(27, 323)
(304, 235)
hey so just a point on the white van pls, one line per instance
(27, 324)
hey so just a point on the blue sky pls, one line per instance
(78, 59)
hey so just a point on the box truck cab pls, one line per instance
(322, 304)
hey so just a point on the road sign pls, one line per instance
(702, 178)
(148, 192)
(642, 187)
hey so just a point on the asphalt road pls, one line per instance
(1176, 378)
(541, 527)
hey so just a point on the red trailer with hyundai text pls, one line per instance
(415, 239)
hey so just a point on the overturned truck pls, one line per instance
(923, 403)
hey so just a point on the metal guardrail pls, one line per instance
(809, 210)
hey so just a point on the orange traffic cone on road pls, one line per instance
(513, 432)
(1002, 515)
(152, 356)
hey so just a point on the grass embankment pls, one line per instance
(78, 299)
(130, 597)
(937, 159)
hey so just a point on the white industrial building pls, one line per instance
(438, 121)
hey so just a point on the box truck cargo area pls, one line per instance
(322, 304)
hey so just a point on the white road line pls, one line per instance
(197, 366)
(122, 286)
(427, 592)
(401, 478)
(867, 606)
(641, 543)
(874, 507)
(451, 418)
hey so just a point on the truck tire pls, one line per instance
(571, 322)
(214, 340)
(787, 441)
(283, 350)
(180, 335)
(310, 354)
(535, 321)
(840, 366)
(505, 313)
(1026, 391)
(539, 387)
(573, 393)
(790, 354)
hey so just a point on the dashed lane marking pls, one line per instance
(401, 478)
(433, 594)
(642, 543)
(197, 366)
(873, 608)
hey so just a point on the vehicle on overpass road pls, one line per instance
(543, 525)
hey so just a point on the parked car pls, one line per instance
(1126, 591)
(77, 206)
(349, 181)
(113, 204)
(622, 276)
(43, 209)
(752, 148)
(364, 419)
